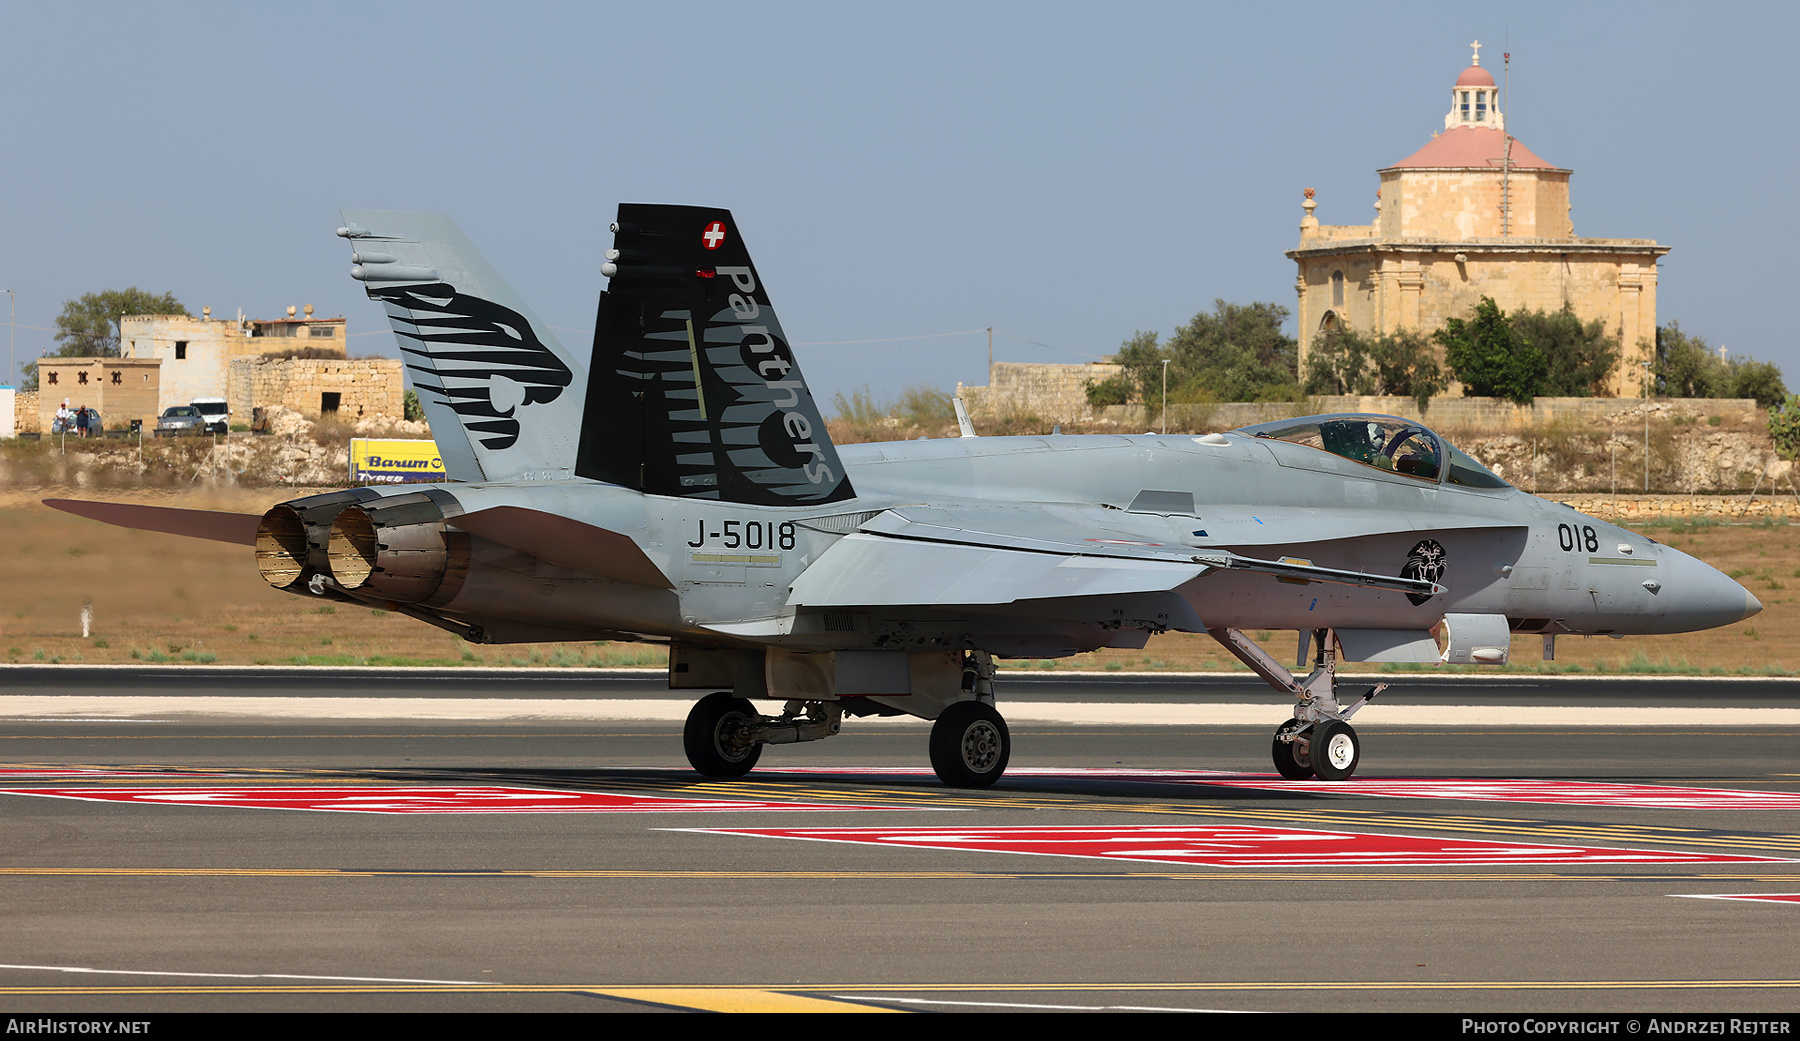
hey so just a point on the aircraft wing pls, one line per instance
(993, 554)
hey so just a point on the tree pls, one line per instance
(1237, 352)
(1784, 427)
(1339, 363)
(1684, 367)
(1580, 356)
(1761, 380)
(89, 326)
(1687, 367)
(1490, 358)
(1343, 361)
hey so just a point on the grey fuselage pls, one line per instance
(735, 569)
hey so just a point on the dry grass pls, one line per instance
(165, 598)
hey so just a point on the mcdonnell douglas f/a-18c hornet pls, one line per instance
(680, 487)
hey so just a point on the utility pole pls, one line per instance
(990, 356)
(1647, 389)
(1165, 404)
(12, 331)
(1506, 154)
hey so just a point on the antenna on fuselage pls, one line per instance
(962, 413)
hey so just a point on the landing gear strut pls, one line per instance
(1319, 741)
(725, 736)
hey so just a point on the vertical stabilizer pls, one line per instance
(501, 393)
(693, 390)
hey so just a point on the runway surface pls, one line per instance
(203, 855)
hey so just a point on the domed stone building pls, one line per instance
(1474, 213)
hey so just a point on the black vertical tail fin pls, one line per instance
(693, 390)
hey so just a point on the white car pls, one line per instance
(216, 412)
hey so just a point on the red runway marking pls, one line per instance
(1227, 846)
(1566, 793)
(421, 800)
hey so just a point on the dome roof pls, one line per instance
(1471, 147)
(1475, 76)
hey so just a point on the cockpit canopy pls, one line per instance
(1398, 446)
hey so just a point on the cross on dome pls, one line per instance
(1475, 100)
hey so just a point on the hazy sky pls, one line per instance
(1064, 173)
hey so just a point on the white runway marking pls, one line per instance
(241, 975)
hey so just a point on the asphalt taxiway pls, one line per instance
(198, 854)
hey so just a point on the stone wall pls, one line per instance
(1462, 414)
(1055, 393)
(25, 412)
(1626, 509)
(364, 386)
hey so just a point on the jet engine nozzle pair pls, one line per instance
(395, 548)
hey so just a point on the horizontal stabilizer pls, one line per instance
(565, 543)
(239, 528)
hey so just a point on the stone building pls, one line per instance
(197, 353)
(317, 387)
(120, 389)
(1474, 213)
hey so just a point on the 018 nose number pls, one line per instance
(1573, 539)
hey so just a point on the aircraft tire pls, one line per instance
(704, 740)
(970, 745)
(1335, 750)
(1290, 761)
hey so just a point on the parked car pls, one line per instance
(73, 423)
(180, 419)
(216, 412)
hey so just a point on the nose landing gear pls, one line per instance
(1319, 741)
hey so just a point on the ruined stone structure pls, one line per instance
(1473, 213)
(25, 413)
(1054, 393)
(317, 387)
(120, 389)
(196, 353)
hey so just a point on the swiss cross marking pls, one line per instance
(713, 235)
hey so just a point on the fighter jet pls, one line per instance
(680, 487)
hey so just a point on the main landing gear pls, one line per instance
(1319, 741)
(970, 744)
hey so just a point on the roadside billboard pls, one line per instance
(378, 460)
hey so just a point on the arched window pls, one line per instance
(1337, 289)
(1330, 322)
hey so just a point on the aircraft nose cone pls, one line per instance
(1700, 596)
